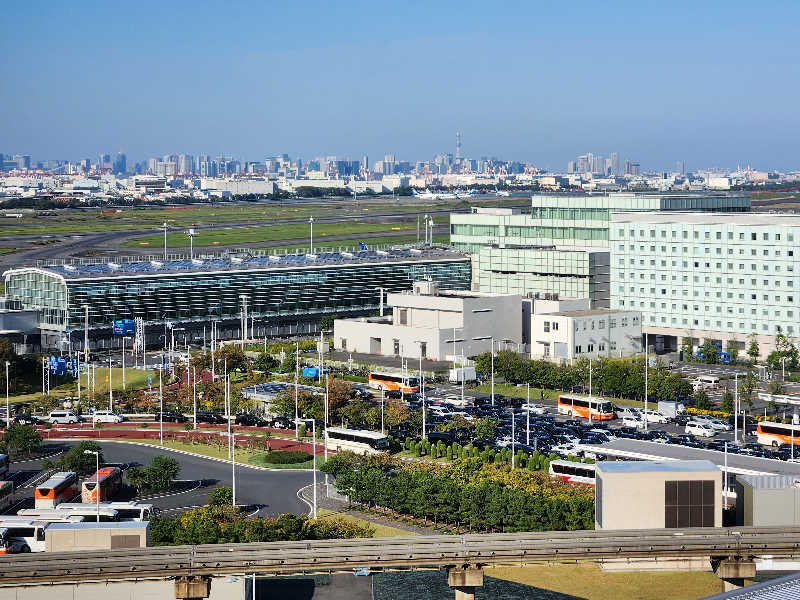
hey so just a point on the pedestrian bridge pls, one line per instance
(731, 552)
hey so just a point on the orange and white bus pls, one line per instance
(61, 487)
(572, 472)
(582, 406)
(388, 381)
(770, 433)
(106, 482)
(6, 494)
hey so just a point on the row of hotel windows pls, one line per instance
(696, 308)
(730, 295)
(742, 236)
(696, 279)
(706, 250)
(717, 325)
(600, 347)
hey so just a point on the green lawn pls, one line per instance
(368, 240)
(135, 379)
(248, 235)
(552, 395)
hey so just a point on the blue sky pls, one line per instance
(713, 83)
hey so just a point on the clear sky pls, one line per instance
(712, 82)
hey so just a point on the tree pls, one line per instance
(709, 352)
(339, 394)
(702, 401)
(727, 401)
(747, 385)
(326, 322)
(686, 349)
(753, 350)
(22, 438)
(396, 413)
(76, 459)
(289, 363)
(486, 429)
(307, 404)
(733, 350)
(265, 362)
(221, 496)
(157, 477)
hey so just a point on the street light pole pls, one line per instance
(311, 243)
(110, 388)
(314, 469)
(736, 408)
(96, 479)
(8, 414)
(161, 403)
(165, 227)
(646, 369)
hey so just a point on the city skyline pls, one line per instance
(533, 84)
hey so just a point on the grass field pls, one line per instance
(589, 581)
(135, 379)
(369, 241)
(249, 235)
(552, 395)
(380, 530)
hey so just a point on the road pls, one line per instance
(275, 491)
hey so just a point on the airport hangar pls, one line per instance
(284, 294)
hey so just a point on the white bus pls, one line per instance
(6, 494)
(88, 514)
(771, 433)
(126, 511)
(22, 535)
(356, 440)
(572, 472)
(4, 464)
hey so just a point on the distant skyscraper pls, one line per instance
(365, 162)
(120, 164)
(571, 166)
(680, 167)
(607, 169)
(614, 163)
(458, 145)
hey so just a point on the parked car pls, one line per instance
(26, 419)
(700, 428)
(282, 423)
(170, 416)
(250, 420)
(688, 440)
(632, 421)
(653, 416)
(212, 418)
(107, 416)
(534, 409)
(60, 417)
(717, 424)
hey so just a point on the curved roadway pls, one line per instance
(274, 491)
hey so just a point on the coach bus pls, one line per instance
(106, 482)
(356, 440)
(4, 464)
(597, 409)
(88, 513)
(572, 472)
(384, 380)
(22, 535)
(6, 494)
(61, 487)
(770, 433)
(126, 511)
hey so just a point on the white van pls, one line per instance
(708, 380)
(700, 429)
(63, 416)
(107, 416)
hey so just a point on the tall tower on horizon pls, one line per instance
(458, 145)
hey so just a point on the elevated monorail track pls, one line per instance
(403, 553)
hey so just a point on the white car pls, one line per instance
(717, 424)
(565, 450)
(60, 417)
(535, 409)
(107, 416)
(700, 429)
(632, 421)
(653, 416)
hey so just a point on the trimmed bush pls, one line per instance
(283, 457)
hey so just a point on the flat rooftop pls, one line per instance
(109, 269)
(741, 219)
(643, 466)
(595, 312)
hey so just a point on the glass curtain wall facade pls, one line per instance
(201, 295)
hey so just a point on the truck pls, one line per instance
(671, 409)
(462, 374)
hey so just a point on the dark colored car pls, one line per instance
(25, 419)
(444, 436)
(282, 423)
(681, 420)
(250, 420)
(212, 418)
(393, 394)
(170, 416)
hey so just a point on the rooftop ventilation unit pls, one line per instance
(274, 257)
(236, 260)
(70, 268)
(157, 263)
(197, 261)
(113, 266)
(311, 256)
(382, 253)
(347, 254)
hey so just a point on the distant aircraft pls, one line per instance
(467, 194)
(426, 195)
(501, 192)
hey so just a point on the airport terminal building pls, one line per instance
(284, 294)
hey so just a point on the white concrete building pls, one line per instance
(563, 330)
(436, 323)
(707, 276)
